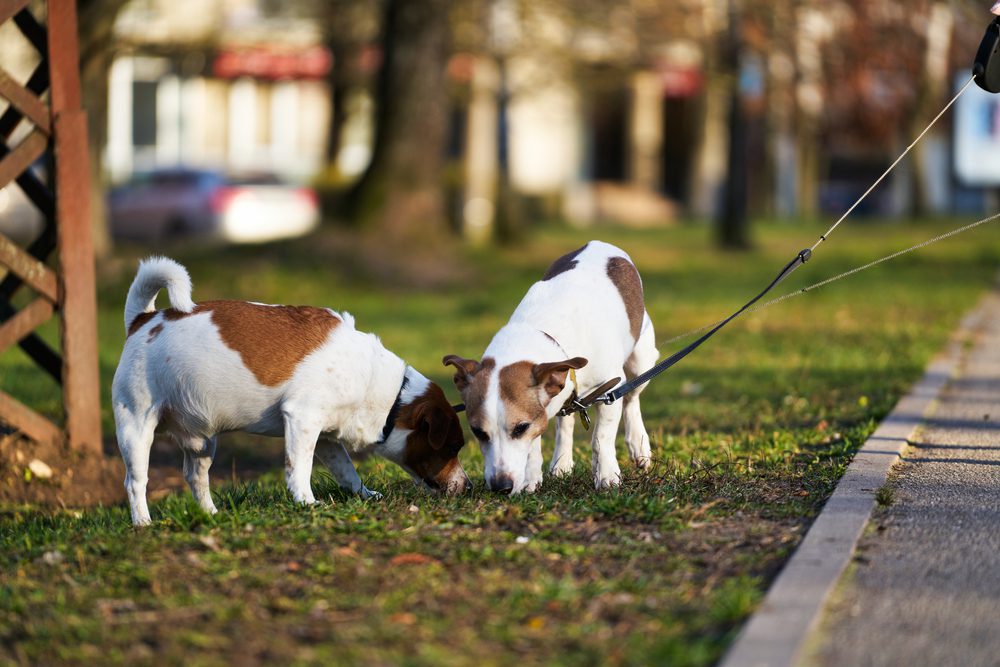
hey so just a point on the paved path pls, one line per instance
(922, 582)
(924, 588)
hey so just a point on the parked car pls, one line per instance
(20, 221)
(252, 208)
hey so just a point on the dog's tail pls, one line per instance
(154, 274)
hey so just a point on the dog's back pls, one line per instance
(221, 365)
(590, 301)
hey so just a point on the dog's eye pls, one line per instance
(480, 434)
(519, 430)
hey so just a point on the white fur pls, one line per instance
(186, 379)
(582, 310)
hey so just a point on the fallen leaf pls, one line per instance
(403, 618)
(411, 559)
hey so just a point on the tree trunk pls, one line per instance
(96, 20)
(731, 229)
(400, 196)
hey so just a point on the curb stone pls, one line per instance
(776, 634)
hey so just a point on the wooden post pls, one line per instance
(66, 282)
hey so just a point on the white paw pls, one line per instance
(561, 467)
(368, 494)
(642, 462)
(532, 486)
(607, 480)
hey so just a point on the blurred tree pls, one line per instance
(399, 197)
(350, 29)
(95, 28)
(731, 225)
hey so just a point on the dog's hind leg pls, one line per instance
(199, 453)
(135, 428)
(300, 445)
(335, 457)
(643, 357)
(562, 455)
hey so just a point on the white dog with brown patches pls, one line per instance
(298, 371)
(585, 319)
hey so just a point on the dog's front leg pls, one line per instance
(605, 462)
(533, 469)
(335, 457)
(562, 457)
(300, 444)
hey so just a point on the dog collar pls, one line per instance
(390, 420)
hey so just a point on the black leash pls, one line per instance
(599, 395)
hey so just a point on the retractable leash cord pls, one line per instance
(986, 74)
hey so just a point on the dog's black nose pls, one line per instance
(502, 484)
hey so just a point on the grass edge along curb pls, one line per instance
(777, 633)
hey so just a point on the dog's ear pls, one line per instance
(552, 375)
(466, 368)
(440, 422)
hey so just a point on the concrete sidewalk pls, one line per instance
(925, 585)
(918, 584)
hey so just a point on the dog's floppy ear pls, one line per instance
(552, 375)
(466, 369)
(440, 421)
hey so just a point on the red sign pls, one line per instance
(273, 63)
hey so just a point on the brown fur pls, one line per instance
(565, 263)
(517, 383)
(139, 321)
(626, 278)
(432, 448)
(271, 340)
(473, 386)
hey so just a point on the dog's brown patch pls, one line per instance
(154, 332)
(271, 340)
(565, 263)
(475, 391)
(139, 321)
(626, 278)
(436, 437)
(517, 383)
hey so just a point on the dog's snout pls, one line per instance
(502, 484)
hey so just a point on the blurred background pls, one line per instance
(425, 120)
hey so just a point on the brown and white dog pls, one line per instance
(585, 318)
(298, 371)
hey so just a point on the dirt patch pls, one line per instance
(72, 479)
(53, 475)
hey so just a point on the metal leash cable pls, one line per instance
(581, 405)
(767, 304)
(823, 237)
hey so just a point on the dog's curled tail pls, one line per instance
(156, 273)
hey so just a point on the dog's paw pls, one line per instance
(607, 480)
(642, 462)
(561, 468)
(532, 486)
(367, 494)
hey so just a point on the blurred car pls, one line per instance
(169, 203)
(20, 220)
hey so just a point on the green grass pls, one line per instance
(750, 434)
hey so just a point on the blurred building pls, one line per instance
(622, 116)
(217, 83)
